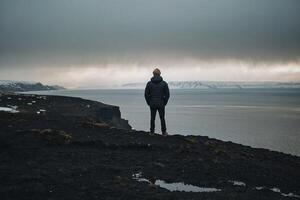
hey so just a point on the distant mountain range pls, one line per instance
(218, 85)
(23, 86)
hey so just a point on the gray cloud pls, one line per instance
(76, 32)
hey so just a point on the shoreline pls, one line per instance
(217, 119)
(75, 151)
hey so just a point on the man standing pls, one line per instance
(157, 95)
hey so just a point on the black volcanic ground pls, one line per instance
(80, 149)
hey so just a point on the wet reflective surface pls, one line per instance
(173, 187)
(181, 187)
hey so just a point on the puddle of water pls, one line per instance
(290, 195)
(181, 187)
(143, 180)
(137, 175)
(238, 183)
(277, 190)
(7, 109)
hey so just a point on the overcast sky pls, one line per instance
(106, 42)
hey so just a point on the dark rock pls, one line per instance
(79, 152)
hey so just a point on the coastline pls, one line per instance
(81, 149)
(257, 118)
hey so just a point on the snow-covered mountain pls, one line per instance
(219, 85)
(22, 86)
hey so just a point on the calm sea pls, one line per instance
(267, 118)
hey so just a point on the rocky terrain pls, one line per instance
(23, 86)
(68, 148)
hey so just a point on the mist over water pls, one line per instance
(264, 118)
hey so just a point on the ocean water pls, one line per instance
(264, 118)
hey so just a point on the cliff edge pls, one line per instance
(64, 107)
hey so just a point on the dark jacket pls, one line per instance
(157, 92)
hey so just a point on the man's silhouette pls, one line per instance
(157, 95)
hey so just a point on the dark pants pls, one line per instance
(161, 111)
